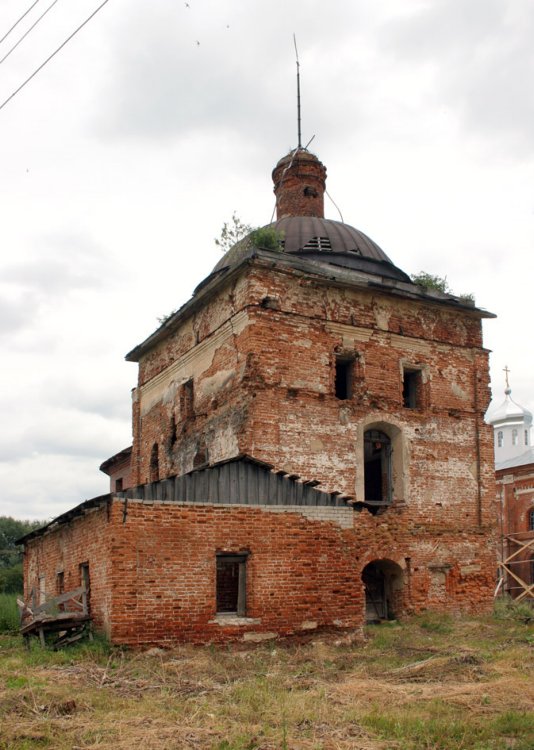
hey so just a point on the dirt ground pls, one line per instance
(432, 682)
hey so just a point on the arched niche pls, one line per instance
(383, 582)
(381, 465)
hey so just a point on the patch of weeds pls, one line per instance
(414, 733)
(9, 613)
(267, 238)
(510, 609)
(27, 743)
(240, 743)
(514, 723)
(16, 682)
(434, 622)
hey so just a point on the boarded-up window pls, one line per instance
(231, 584)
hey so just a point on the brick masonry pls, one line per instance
(515, 510)
(153, 568)
(250, 369)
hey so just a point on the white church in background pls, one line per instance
(511, 425)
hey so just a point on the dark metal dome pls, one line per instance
(308, 233)
(322, 240)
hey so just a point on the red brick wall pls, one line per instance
(515, 502)
(122, 471)
(84, 539)
(264, 385)
(153, 568)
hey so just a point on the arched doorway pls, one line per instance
(377, 470)
(383, 583)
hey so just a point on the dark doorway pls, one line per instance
(382, 580)
(377, 470)
(231, 584)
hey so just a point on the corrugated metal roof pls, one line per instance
(240, 481)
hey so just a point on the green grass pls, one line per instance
(9, 613)
(431, 683)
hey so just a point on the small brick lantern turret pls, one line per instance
(299, 184)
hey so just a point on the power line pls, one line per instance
(19, 20)
(14, 47)
(80, 27)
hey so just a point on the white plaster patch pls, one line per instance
(459, 392)
(382, 316)
(196, 361)
(210, 386)
(224, 445)
(259, 637)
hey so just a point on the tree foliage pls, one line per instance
(439, 284)
(266, 238)
(430, 281)
(232, 232)
(11, 554)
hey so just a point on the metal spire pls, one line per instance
(298, 93)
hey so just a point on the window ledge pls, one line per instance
(231, 620)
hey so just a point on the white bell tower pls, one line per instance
(511, 425)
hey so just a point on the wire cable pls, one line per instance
(335, 204)
(41, 66)
(19, 20)
(14, 47)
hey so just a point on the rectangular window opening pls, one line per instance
(60, 583)
(411, 389)
(118, 485)
(344, 377)
(231, 584)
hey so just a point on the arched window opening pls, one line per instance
(515, 437)
(531, 520)
(500, 439)
(377, 471)
(383, 584)
(154, 463)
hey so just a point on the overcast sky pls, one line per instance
(123, 157)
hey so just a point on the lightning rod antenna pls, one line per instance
(298, 92)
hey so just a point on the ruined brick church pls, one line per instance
(309, 449)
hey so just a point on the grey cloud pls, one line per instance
(484, 62)
(99, 397)
(16, 314)
(63, 436)
(63, 264)
(165, 85)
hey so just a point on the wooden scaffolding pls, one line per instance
(517, 567)
(66, 616)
